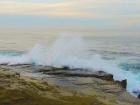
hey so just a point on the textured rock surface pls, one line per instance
(51, 89)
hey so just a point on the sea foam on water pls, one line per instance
(70, 51)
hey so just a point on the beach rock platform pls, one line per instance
(39, 85)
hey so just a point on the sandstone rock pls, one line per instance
(17, 74)
(63, 86)
(122, 83)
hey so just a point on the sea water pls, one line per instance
(118, 55)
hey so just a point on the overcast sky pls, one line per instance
(97, 14)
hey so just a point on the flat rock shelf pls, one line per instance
(45, 85)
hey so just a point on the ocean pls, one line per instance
(118, 55)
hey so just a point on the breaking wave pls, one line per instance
(70, 51)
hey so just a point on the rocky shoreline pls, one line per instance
(82, 73)
(44, 85)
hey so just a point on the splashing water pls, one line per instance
(70, 51)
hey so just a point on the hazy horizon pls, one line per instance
(113, 17)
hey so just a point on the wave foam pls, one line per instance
(69, 51)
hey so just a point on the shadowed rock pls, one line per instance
(103, 76)
(67, 72)
(139, 96)
(122, 83)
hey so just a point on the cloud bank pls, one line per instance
(114, 13)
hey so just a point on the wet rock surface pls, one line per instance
(38, 85)
(139, 96)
